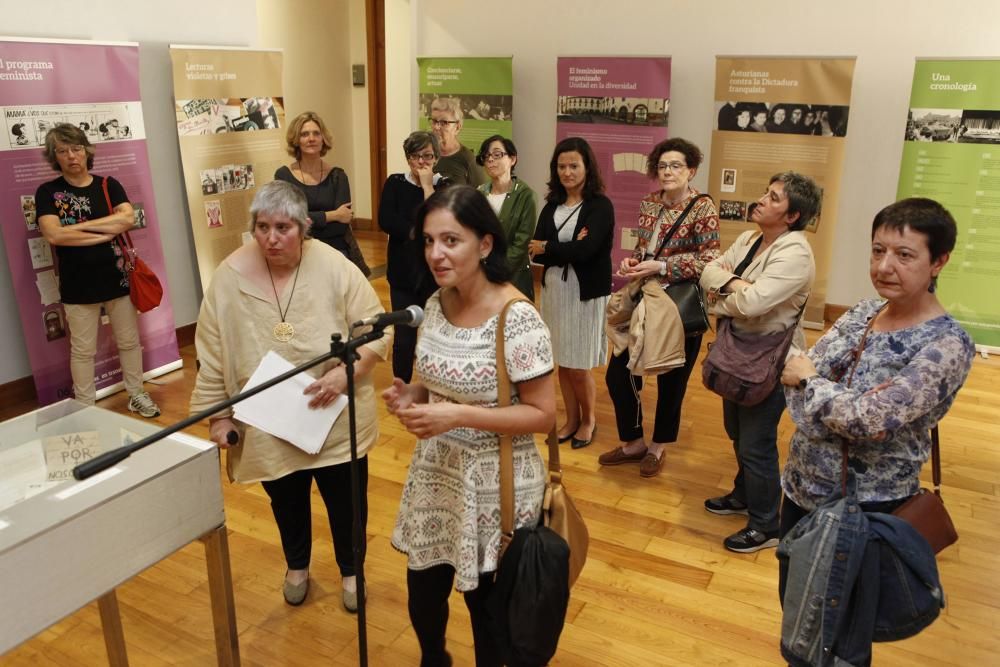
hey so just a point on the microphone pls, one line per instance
(410, 316)
(233, 438)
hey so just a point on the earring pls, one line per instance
(933, 286)
(482, 260)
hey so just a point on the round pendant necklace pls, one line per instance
(283, 331)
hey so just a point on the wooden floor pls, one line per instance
(658, 588)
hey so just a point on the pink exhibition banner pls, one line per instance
(95, 87)
(620, 106)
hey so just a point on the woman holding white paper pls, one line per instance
(288, 293)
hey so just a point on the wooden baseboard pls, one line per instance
(833, 311)
(364, 225)
(23, 389)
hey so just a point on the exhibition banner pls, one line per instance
(780, 114)
(95, 87)
(483, 86)
(231, 127)
(620, 106)
(951, 129)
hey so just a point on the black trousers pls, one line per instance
(404, 342)
(625, 390)
(290, 502)
(428, 592)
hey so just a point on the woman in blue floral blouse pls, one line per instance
(914, 359)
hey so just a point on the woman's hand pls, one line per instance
(626, 265)
(649, 267)
(219, 430)
(796, 369)
(426, 420)
(582, 234)
(425, 175)
(325, 390)
(400, 396)
(536, 247)
(343, 214)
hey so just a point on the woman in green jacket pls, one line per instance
(514, 204)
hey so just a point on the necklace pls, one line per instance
(283, 331)
(318, 177)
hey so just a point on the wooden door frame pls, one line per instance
(375, 29)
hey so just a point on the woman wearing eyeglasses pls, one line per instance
(514, 204)
(673, 163)
(456, 162)
(410, 283)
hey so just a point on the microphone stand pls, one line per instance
(346, 351)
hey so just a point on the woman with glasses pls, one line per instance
(410, 283)
(80, 214)
(456, 162)
(514, 204)
(326, 187)
(673, 163)
(573, 243)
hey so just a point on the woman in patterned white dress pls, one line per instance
(449, 517)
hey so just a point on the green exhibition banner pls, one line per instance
(483, 87)
(952, 155)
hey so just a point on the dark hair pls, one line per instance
(66, 133)
(921, 215)
(508, 146)
(419, 140)
(692, 154)
(473, 211)
(804, 197)
(593, 185)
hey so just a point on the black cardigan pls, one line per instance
(589, 257)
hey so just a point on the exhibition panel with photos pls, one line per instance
(94, 87)
(776, 114)
(951, 154)
(231, 127)
(621, 107)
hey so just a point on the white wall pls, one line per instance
(400, 80)
(154, 26)
(885, 35)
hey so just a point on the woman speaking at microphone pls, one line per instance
(288, 293)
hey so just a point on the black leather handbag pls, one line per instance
(691, 306)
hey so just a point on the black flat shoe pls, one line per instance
(580, 444)
(566, 438)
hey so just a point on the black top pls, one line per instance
(589, 257)
(87, 274)
(328, 195)
(397, 215)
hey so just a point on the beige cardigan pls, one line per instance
(235, 332)
(782, 278)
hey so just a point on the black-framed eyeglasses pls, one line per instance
(426, 157)
(441, 123)
(495, 155)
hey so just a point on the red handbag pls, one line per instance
(144, 287)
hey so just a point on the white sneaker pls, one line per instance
(144, 405)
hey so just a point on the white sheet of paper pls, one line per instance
(41, 253)
(22, 466)
(48, 287)
(283, 410)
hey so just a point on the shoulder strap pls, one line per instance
(677, 224)
(507, 441)
(122, 239)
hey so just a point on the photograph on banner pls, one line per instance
(28, 125)
(780, 114)
(950, 155)
(482, 88)
(231, 126)
(233, 115)
(95, 88)
(620, 106)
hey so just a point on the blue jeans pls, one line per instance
(754, 431)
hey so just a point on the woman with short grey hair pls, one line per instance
(287, 293)
(456, 161)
